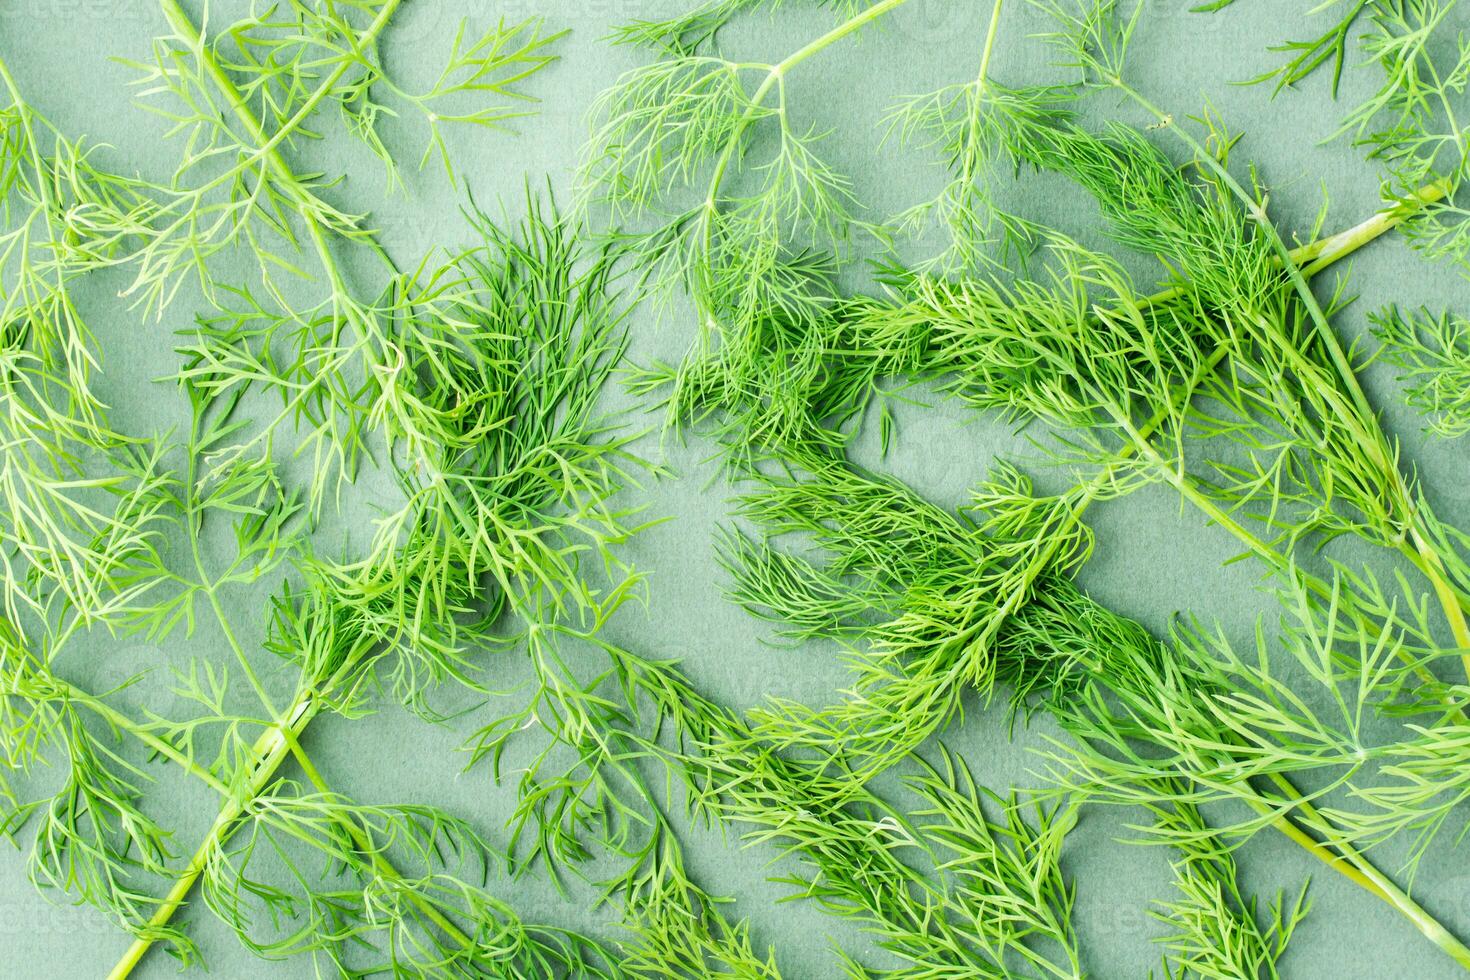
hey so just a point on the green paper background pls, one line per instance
(1153, 560)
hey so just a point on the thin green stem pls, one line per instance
(268, 146)
(991, 33)
(1347, 861)
(184, 27)
(193, 522)
(774, 76)
(1314, 257)
(369, 849)
(271, 749)
(1320, 254)
(123, 723)
(1343, 857)
(853, 24)
(1339, 855)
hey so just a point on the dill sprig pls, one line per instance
(241, 98)
(557, 458)
(968, 125)
(1239, 350)
(1409, 125)
(517, 493)
(1229, 724)
(940, 641)
(1216, 929)
(682, 123)
(701, 160)
(968, 884)
(1235, 347)
(243, 95)
(729, 200)
(1286, 370)
(1433, 354)
(598, 711)
(483, 375)
(73, 527)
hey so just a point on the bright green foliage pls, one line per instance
(240, 99)
(1216, 934)
(473, 382)
(1409, 125)
(1230, 385)
(690, 32)
(1093, 671)
(70, 526)
(969, 126)
(948, 890)
(484, 375)
(670, 138)
(241, 96)
(1238, 352)
(1433, 356)
(517, 504)
(926, 598)
(374, 917)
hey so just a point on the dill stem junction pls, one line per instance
(775, 76)
(1419, 548)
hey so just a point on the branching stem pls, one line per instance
(1420, 547)
(282, 738)
(1335, 853)
(774, 77)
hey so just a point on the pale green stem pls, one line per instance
(270, 749)
(267, 147)
(1430, 563)
(991, 33)
(276, 742)
(1339, 856)
(123, 723)
(193, 520)
(774, 76)
(184, 27)
(369, 849)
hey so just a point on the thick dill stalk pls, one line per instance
(1348, 861)
(1421, 549)
(270, 750)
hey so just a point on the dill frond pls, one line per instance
(1409, 125)
(1433, 355)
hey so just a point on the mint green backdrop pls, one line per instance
(1152, 562)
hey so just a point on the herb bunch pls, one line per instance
(473, 384)
(486, 396)
(1235, 353)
